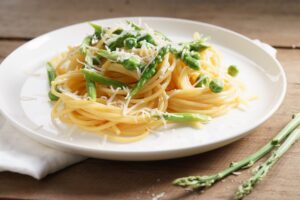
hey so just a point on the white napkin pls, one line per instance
(20, 154)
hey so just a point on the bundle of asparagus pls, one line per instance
(280, 143)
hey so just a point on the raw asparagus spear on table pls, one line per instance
(259, 172)
(197, 182)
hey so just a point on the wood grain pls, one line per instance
(6, 47)
(273, 21)
(102, 179)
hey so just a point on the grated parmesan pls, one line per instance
(25, 98)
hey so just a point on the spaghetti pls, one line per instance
(127, 80)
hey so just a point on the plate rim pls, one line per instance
(60, 144)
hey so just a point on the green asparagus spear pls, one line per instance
(163, 36)
(197, 45)
(134, 26)
(130, 63)
(191, 62)
(51, 77)
(52, 97)
(203, 80)
(119, 40)
(98, 30)
(138, 28)
(129, 43)
(148, 38)
(207, 181)
(186, 117)
(264, 168)
(216, 85)
(195, 55)
(150, 71)
(86, 43)
(118, 31)
(91, 89)
(189, 52)
(194, 46)
(176, 50)
(112, 56)
(90, 85)
(99, 78)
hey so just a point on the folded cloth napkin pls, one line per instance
(20, 154)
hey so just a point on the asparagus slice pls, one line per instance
(163, 36)
(98, 30)
(197, 45)
(191, 62)
(119, 40)
(134, 26)
(203, 80)
(186, 117)
(130, 63)
(188, 52)
(51, 77)
(264, 168)
(90, 85)
(148, 38)
(96, 77)
(91, 89)
(150, 71)
(207, 181)
(86, 42)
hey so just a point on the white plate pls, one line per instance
(23, 95)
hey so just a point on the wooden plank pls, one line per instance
(275, 22)
(6, 47)
(102, 179)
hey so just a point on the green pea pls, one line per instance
(232, 70)
(130, 42)
(216, 85)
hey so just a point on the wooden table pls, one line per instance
(275, 22)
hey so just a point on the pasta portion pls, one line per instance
(125, 81)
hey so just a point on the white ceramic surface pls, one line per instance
(23, 94)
